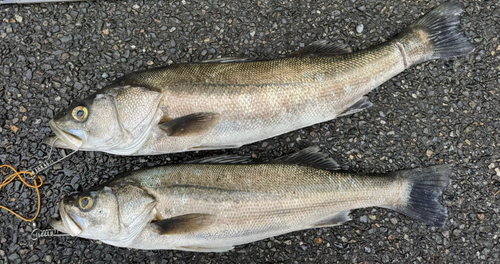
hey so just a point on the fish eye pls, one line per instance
(80, 113)
(86, 203)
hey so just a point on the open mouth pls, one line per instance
(69, 139)
(68, 223)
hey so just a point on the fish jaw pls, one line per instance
(69, 223)
(70, 139)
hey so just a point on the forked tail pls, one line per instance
(434, 36)
(425, 186)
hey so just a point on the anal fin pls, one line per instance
(359, 106)
(207, 147)
(334, 220)
(206, 248)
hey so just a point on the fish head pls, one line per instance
(115, 120)
(85, 124)
(114, 214)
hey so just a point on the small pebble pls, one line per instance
(360, 28)
(363, 219)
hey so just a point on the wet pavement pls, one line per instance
(438, 112)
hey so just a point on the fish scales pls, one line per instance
(232, 102)
(265, 198)
(254, 106)
(213, 207)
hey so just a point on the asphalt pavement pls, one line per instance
(439, 112)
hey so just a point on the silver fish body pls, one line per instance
(232, 102)
(213, 207)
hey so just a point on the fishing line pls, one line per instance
(30, 174)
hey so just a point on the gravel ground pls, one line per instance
(438, 112)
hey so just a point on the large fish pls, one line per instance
(231, 102)
(213, 207)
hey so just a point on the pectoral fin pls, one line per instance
(191, 124)
(183, 224)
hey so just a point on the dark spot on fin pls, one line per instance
(359, 106)
(227, 60)
(311, 157)
(227, 159)
(322, 47)
(190, 124)
(164, 119)
(183, 224)
(426, 186)
(158, 217)
(206, 248)
(334, 220)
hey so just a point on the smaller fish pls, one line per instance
(215, 204)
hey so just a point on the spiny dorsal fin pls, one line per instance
(359, 106)
(322, 47)
(184, 224)
(227, 60)
(190, 124)
(227, 159)
(311, 157)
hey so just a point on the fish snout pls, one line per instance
(67, 222)
(66, 138)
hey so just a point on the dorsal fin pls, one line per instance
(225, 159)
(227, 60)
(322, 47)
(311, 157)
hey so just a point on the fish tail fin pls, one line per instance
(425, 186)
(434, 36)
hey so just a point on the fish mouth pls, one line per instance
(68, 139)
(68, 223)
